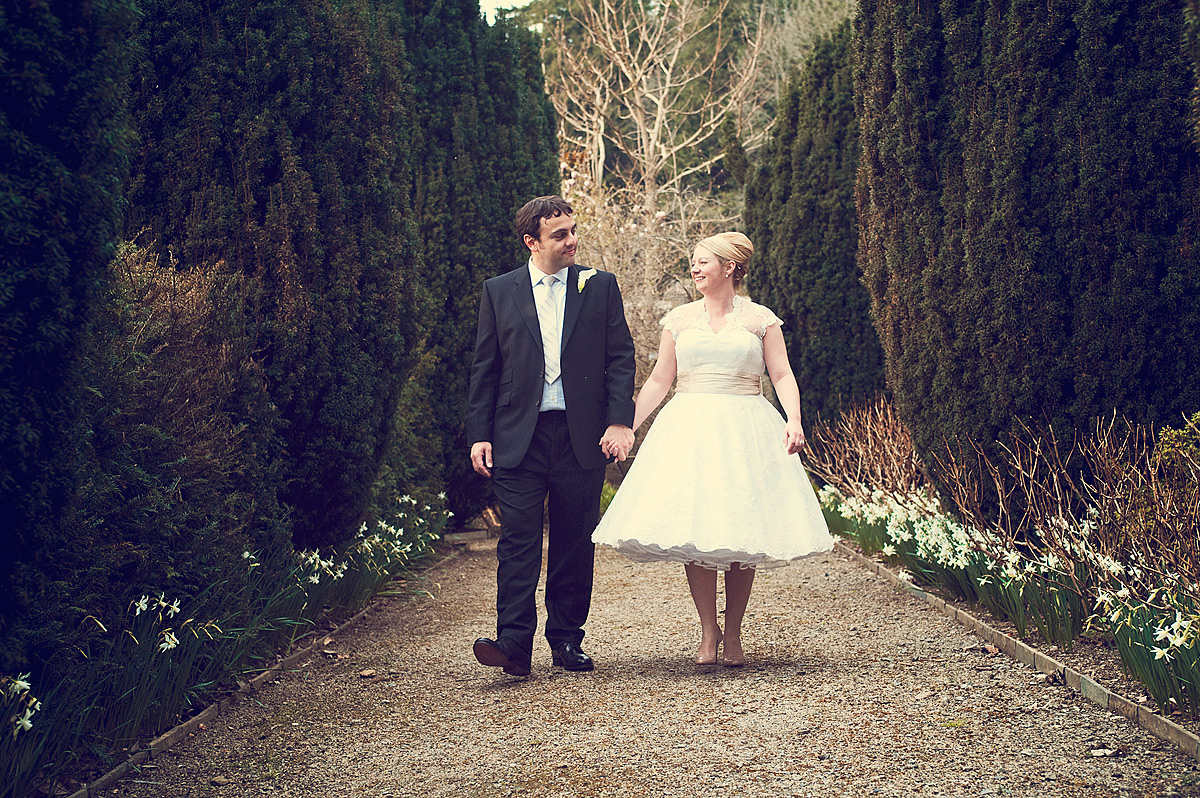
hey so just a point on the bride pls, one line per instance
(716, 484)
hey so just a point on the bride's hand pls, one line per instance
(617, 441)
(793, 437)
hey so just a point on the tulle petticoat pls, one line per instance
(712, 484)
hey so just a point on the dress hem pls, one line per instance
(722, 560)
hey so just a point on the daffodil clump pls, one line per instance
(373, 557)
(140, 678)
(1064, 585)
(20, 704)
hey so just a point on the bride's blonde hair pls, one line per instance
(732, 248)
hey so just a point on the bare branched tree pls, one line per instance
(647, 251)
(653, 80)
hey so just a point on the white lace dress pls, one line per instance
(712, 482)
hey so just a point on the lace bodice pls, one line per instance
(736, 349)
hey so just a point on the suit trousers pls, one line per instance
(549, 468)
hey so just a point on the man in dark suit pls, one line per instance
(551, 400)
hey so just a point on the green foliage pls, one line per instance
(800, 215)
(1170, 674)
(1178, 445)
(274, 139)
(486, 146)
(64, 141)
(159, 657)
(734, 159)
(607, 492)
(180, 482)
(1028, 203)
(254, 375)
(1191, 15)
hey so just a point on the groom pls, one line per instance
(551, 399)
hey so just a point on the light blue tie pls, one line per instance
(548, 320)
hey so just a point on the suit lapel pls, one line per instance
(522, 290)
(574, 304)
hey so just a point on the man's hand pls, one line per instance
(617, 441)
(481, 458)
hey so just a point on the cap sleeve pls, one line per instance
(759, 318)
(673, 321)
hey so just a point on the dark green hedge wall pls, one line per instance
(275, 138)
(800, 215)
(64, 151)
(1028, 206)
(486, 144)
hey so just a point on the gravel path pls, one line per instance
(853, 688)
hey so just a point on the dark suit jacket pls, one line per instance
(508, 373)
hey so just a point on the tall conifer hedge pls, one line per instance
(274, 138)
(1027, 198)
(64, 147)
(486, 144)
(800, 215)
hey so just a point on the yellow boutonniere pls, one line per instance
(584, 276)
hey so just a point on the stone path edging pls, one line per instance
(245, 689)
(1140, 714)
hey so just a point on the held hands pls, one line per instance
(481, 458)
(617, 441)
(793, 437)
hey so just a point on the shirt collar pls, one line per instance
(536, 274)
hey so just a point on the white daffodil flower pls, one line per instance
(173, 608)
(141, 606)
(19, 685)
(1162, 653)
(169, 641)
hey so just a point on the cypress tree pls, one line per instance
(486, 145)
(64, 142)
(274, 139)
(898, 72)
(800, 214)
(1028, 206)
(1191, 15)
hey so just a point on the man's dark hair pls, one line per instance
(529, 218)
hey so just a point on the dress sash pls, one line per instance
(716, 382)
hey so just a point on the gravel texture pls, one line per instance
(853, 688)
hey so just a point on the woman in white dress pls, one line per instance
(716, 484)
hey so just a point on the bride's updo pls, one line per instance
(732, 248)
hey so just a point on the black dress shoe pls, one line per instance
(502, 654)
(571, 657)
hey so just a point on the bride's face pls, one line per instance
(708, 273)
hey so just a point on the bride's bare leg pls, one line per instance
(738, 582)
(703, 584)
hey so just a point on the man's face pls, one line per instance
(554, 248)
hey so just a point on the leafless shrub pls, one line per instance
(868, 448)
(1117, 500)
